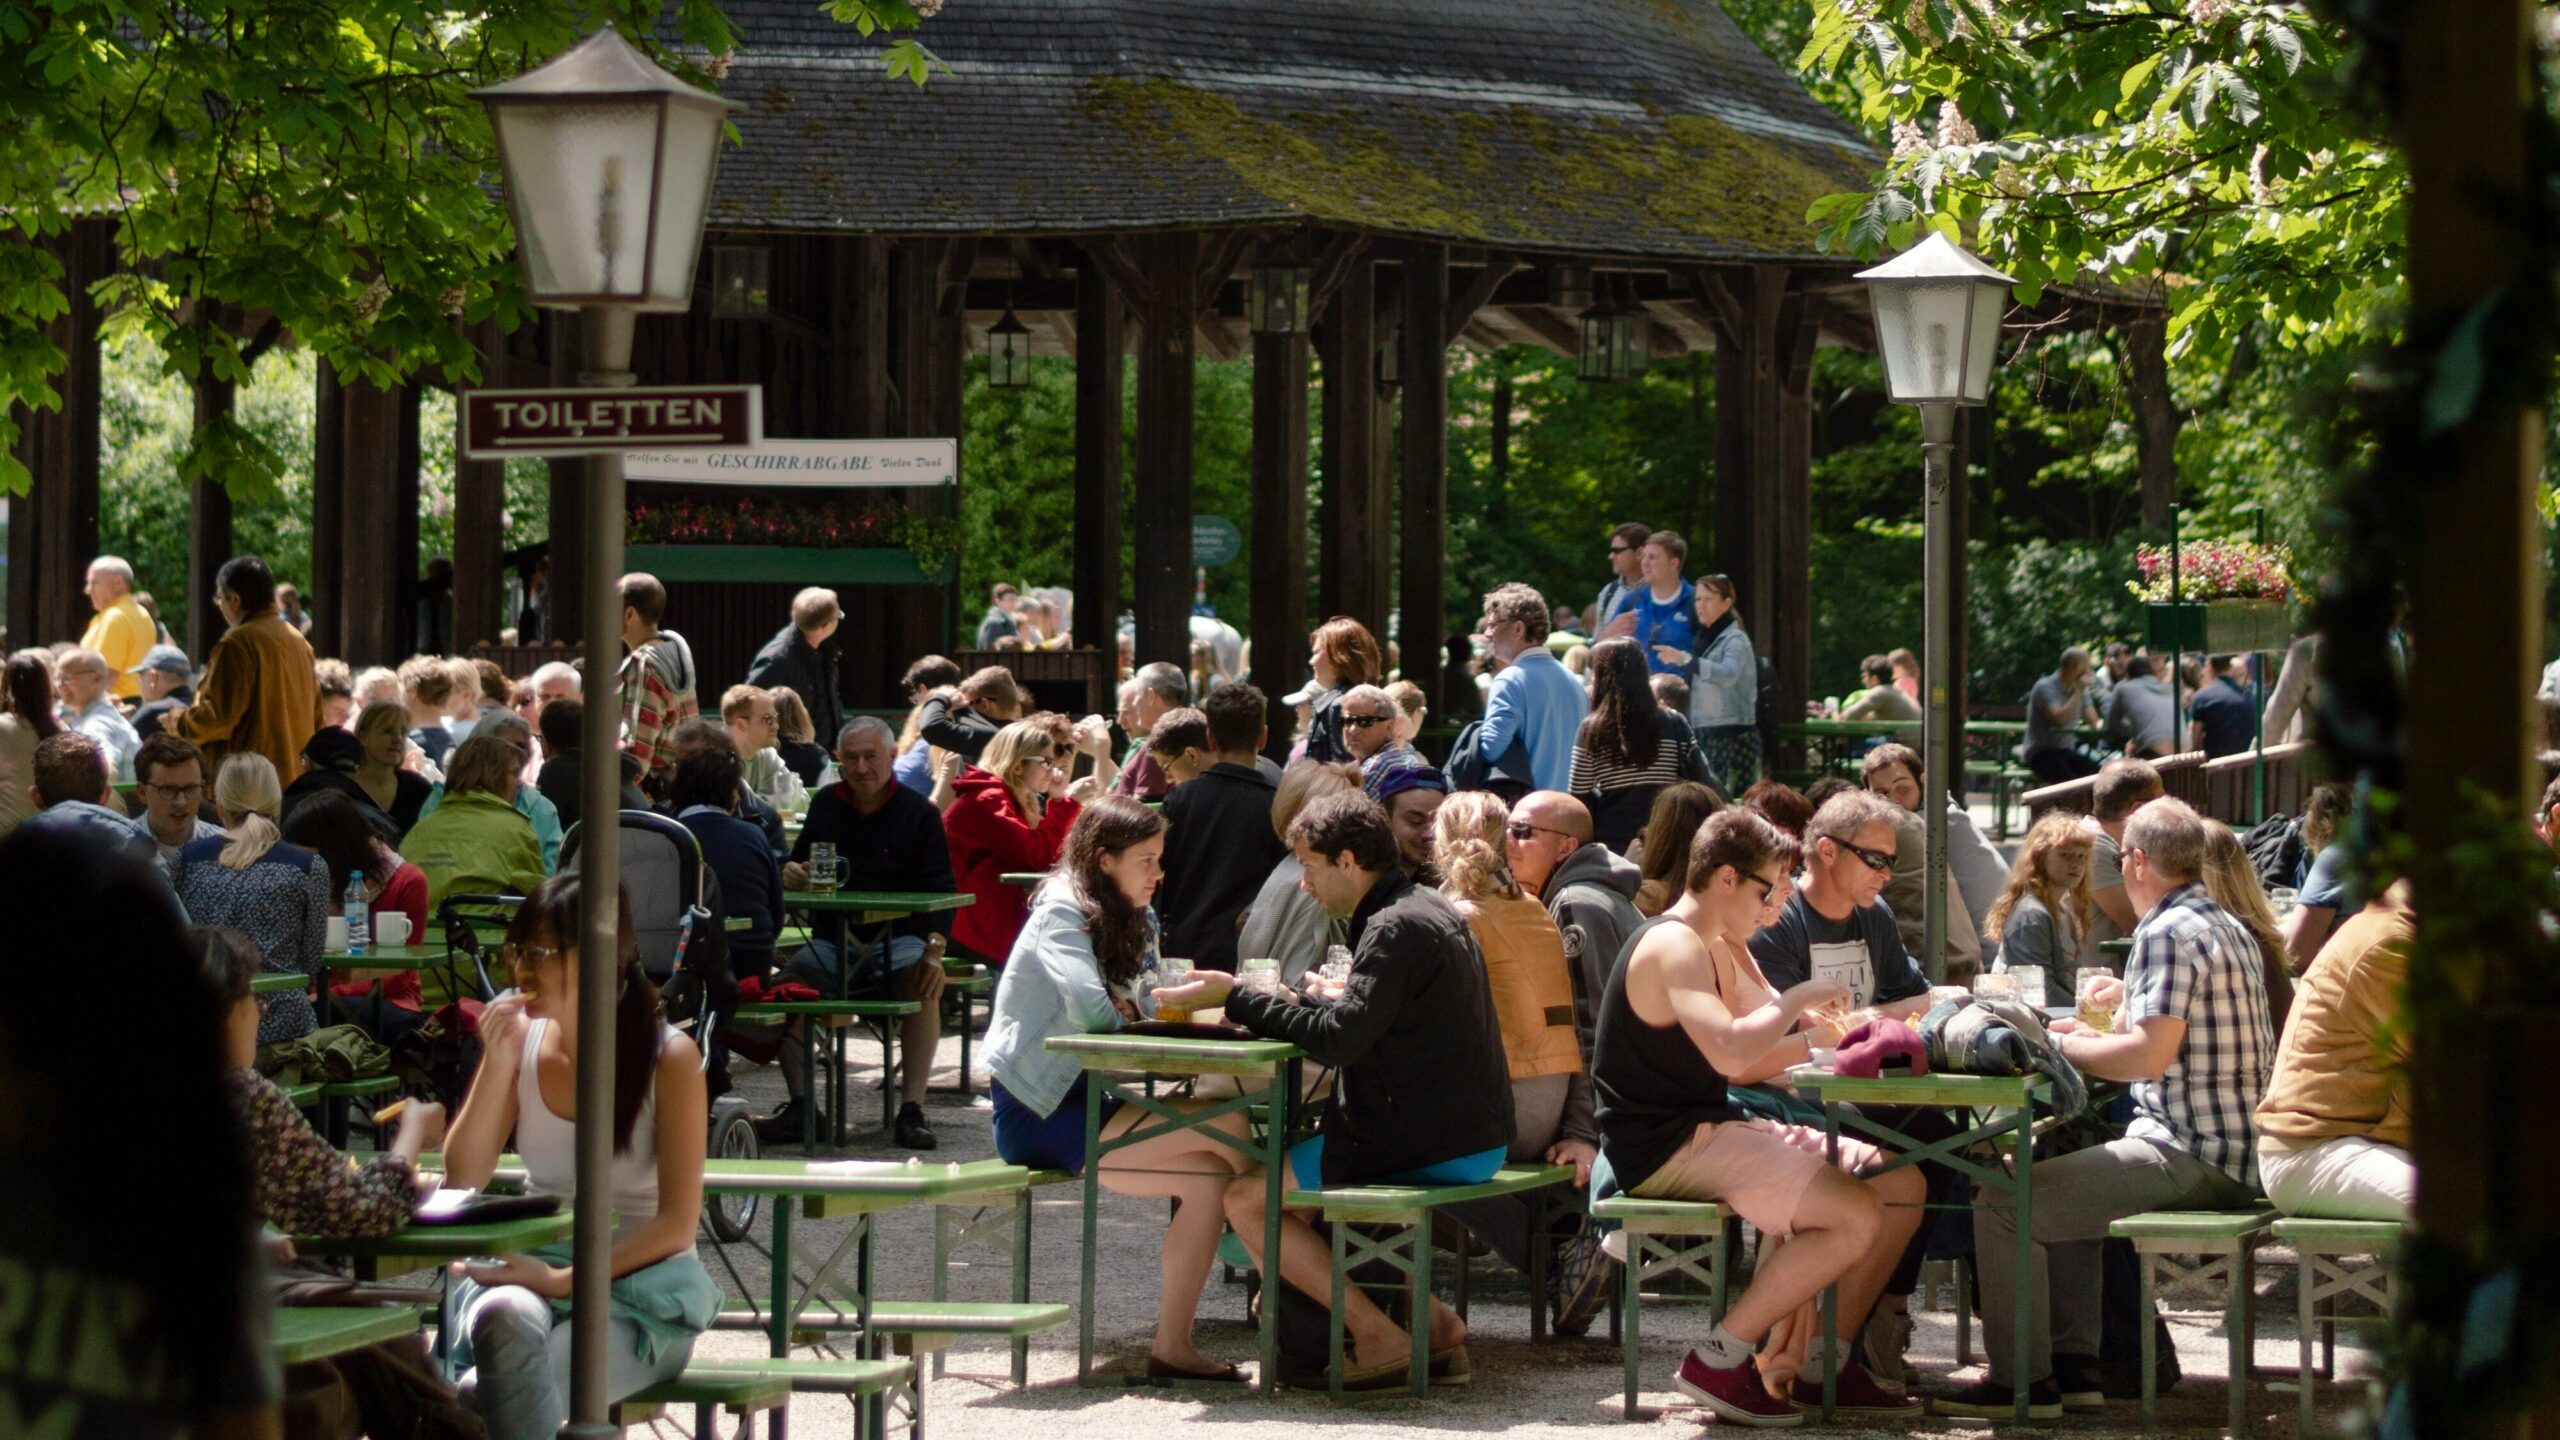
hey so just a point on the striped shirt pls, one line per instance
(2192, 961)
(1592, 771)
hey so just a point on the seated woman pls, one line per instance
(799, 742)
(475, 842)
(2044, 909)
(1284, 922)
(276, 894)
(526, 797)
(1664, 848)
(304, 1186)
(1011, 815)
(1674, 1031)
(1074, 971)
(334, 827)
(509, 1330)
(2333, 1127)
(394, 790)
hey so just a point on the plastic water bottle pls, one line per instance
(358, 908)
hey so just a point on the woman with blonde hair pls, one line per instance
(1663, 850)
(2044, 909)
(248, 879)
(2233, 884)
(1413, 709)
(1284, 922)
(799, 743)
(1009, 814)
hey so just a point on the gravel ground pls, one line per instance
(1526, 1392)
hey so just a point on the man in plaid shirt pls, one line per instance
(657, 681)
(2195, 1041)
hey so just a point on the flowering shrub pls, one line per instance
(2215, 570)
(747, 520)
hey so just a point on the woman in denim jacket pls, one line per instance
(1073, 971)
(1724, 688)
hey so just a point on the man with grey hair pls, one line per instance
(82, 682)
(2194, 1039)
(121, 631)
(2059, 702)
(1369, 729)
(554, 680)
(1161, 687)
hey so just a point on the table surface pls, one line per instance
(498, 1237)
(277, 983)
(903, 902)
(1981, 1091)
(386, 957)
(924, 1181)
(1165, 1054)
(316, 1332)
(1027, 879)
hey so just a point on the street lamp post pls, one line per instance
(608, 162)
(1937, 311)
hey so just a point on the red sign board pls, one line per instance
(503, 424)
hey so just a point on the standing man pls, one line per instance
(261, 688)
(1160, 687)
(171, 780)
(120, 632)
(166, 682)
(999, 621)
(1535, 706)
(81, 683)
(1665, 623)
(1626, 566)
(2058, 702)
(1228, 847)
(2222, 719)
(803, 656)
(2140, 715)
(2194, 1041)
(657, 680)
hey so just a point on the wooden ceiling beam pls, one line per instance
(1465, 303)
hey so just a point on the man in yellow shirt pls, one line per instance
(120, 632)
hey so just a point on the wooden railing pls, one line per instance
(1079, 682)
(2222, 789)
(2180, 775)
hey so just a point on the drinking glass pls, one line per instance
(2031, 986)
(1995, 985)
(1262, 971)
(1337, 964)
(826, 870)
(1172, 971)
(2285, 899)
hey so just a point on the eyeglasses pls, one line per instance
(520, 956)
(1521, 830)
(1767, 887)
(1880, 861)
(179, 792)
(1363, 722)
(1616, 550)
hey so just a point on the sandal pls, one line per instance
(1166, 1370)
(1449, 1367)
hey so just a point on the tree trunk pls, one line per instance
(2145, 345)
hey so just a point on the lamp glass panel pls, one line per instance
(1921, 331)
(684, 185)
(579, 176)
(1989, 303)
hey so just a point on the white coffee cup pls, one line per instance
(337, 937)
(391, 928)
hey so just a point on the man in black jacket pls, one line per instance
(565, 763)
(1221, 844)
(1422, 1094)
(965, 719)
(802, 655)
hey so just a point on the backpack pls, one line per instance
(2275, 849)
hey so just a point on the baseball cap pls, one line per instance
(1878, 1045)
(1386, 782)
(164, 657)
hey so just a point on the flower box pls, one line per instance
(784, 564)
(2219, 627)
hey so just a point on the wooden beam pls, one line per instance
(1788, 622)
(1332, 264)
(1477, 294)
(1217, 266)
(1347, 343)
(1101, 345)
(1278, 595)
(1551, 330)
(209, 537)
(1167, 359)
(479, 532)
(1718, 300)
(54, 534)
(1423, 532)
(371, 628)
(1137, 287)
(327, 601)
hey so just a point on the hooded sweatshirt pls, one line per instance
(1592, 898)
(990, 836)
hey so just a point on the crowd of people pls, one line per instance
(1592, 935)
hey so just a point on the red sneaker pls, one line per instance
(1735, 1394)
(1857, 1396)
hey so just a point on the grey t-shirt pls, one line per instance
(1863, 952)
(2106, 872)
(2141, 715)
(2034, 935)
(2047, 697)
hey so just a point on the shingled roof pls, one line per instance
(1641, 128)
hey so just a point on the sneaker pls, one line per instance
(1886, 1336)
(2082, 1383)
(1856, 1396)
(1985, 1400)
(1580, 1284)
(783, 1126)
(1735, 1394)
(911, 1131)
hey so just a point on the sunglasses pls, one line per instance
(1363, 722)
(1621, 549)
(1767, 887)
(1880, 861)
(1521, 830)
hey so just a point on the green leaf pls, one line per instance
(2461, 367)
(2137, 77)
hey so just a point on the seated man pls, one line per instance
(1835, 927)
(81, 678)
(755, 727)
(1179, 746)
(2333, 1130)
(171, 784)
(889, 838)
(691, 734)
(2193, 1040)
(1412, 795)
(1975, 872)
(1423, 1095)
(68, 782)
(2124, 785)
(965, 718)
(1883, 699)
(1228, 848)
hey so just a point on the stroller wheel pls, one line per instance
(733, 1137)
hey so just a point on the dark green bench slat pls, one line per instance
(807, 1374)
(2219, 1225)
(741, 1391)
(1354, 1202)
(953, 1317)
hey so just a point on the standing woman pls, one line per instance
(510, 1315)
(1074, 971)
(1628, 749)
(1724, 689)
(26, 721)
(1009, 813)
(249, 879)
(1341, 654)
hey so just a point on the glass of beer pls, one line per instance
(826, 869)
(1261, 971)
(2030, 982)
(2097, 1011)
(1996, 985)
(1171, 972)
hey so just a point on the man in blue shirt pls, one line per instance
(2222, 719)
(1535, 703)
(1656, 610)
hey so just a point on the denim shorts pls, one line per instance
(815, 964)
(1306, 1166)
(1056, 1142)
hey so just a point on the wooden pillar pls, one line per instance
(209, 540)
(861, 310)
(405, 458)
(53, 534)
(1101, 344)
(1351, 543)
(479, 534)
(327, 602)
(1278, 598)
(568, 527)
(1733, 466)
(1789, 472)
(1161, 574)
(373, 628)
(1423, 529)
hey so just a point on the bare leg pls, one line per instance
(1195, 1170)
(1903, 1192)
(1306, 1263)
(920, 1034)
(1835, 1227)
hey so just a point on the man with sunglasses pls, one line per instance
(1626, 568)
(1369, 730)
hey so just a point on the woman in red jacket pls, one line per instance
(1009, 812)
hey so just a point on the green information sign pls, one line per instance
(1215, 540)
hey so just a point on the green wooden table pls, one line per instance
(1274, 1062)
(1026, 879)
(303, 1333)
(419, 1247)
(1827, 742)
(844, 909)
(1999, 1107)
(385, 959)
(277, 983)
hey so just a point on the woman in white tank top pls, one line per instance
(512, 1317)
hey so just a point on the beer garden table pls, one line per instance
(1274, 1062)
(304, 1333)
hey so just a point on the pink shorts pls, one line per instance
(1759, 1168)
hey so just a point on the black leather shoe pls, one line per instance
(911, 1131)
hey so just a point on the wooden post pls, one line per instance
(1161, 575)
(209, 540)
(1422, 555)
(1788, 625)
(373, 629)
(1279, 588)
(327, 601)
(568, 529)
(54, 531)
(1350, 542)
(1101, 349)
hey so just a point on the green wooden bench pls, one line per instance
(967, 982)
(1405, 1212)
(741, 1392)
(990, 1216)
(2226, 1242)
(1664, 1237)
(2320, 1245)
(743, 1386)
(336, 1097)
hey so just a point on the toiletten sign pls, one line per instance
(503, 424)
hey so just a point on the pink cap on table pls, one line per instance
(1865, 1051)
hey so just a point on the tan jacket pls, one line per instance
(2340, 1067)
(1532, 990)
(260, 693)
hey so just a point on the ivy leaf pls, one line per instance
(2461, 367)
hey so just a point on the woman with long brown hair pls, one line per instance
(1664, 854)
(1075, 970)
(505, 1311)
(2044, 909)
(1628, 749)
(1342, 654)
(26, 721)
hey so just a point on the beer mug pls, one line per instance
(2030, 982)
(1996, 985)
(1172, 971)
(826, 868)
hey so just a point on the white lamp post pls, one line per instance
(608, 162)
(1937, 311)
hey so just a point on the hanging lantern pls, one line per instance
(1390, 363)
(1639, 331)
(1277, 303)
(1008, 352)
(1608, 342)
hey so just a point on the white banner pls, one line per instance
(804, 462)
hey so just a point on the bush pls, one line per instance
(2024, 603)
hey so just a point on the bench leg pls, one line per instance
(1964, 1310)
(2307, 1279)
(2150, 1338)
(1722, 1248)
(941, 1268)
(1431, 1259)
(1418, 1300)
(1629, 1303)
(2237, 1332)
(1333, 1313)
(968, 1090)
(1021, 1282)
(1540, 1253)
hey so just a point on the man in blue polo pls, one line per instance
(1535, 706)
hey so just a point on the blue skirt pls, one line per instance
(1052, 1142)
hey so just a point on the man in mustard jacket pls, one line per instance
(261, 691)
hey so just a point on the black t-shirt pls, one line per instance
(2229, 716)
(1863, 952)
(1655, 1086)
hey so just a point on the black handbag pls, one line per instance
(1509, 776)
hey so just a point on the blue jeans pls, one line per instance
(815, 965)
(519, 1380)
